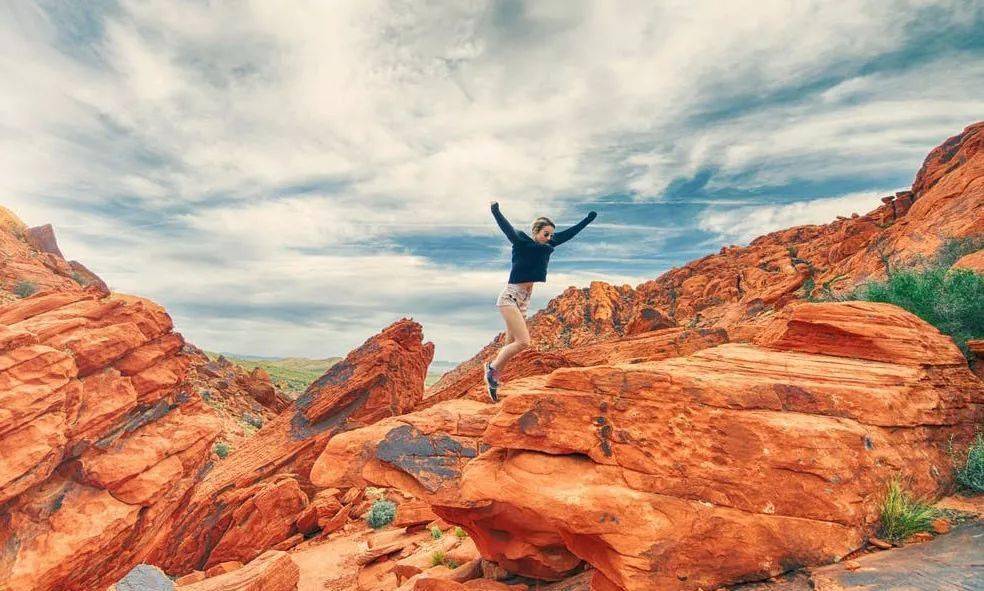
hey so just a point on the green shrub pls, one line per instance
(951, 300)
(437, 558)
(970, 475)
(381, 513)
(436, 533)
(902, 515)
(24, 289)
(451, 564)
(954, 248)
(253, 420)
(462, 534)
(221, 449)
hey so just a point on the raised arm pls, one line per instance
(504, 224)
(565, 235)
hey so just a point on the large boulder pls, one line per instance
(272, 571)
(734, 463)
(99, 441)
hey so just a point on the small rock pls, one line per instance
(941, 525)
(145, 577)
(491, 570)
(852, 565)
(879, 543)
(289, 542)
(923, 536)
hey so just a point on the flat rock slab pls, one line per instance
(952, 562)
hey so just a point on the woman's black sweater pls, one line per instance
(529, 257)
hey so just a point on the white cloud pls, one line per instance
(252, 153)
(742, 224)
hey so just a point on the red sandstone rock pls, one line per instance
(652, 472)
(127, 445)
(42, 238)
(289, 542)
(265, 518)
(272, 571)
(649, 346)
(192, 577)
(973, 261)
(941, 526)
(323, 507)
(231, 393)
(861, 330)
(223, 568)
(26, 269)
(412, 513)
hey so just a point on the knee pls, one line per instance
(522, 343)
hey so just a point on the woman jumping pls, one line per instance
(529, 264)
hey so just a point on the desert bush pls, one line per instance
(903, 515)
(251, 419)
(381, 513)
(437, 558)
(24, 289)
(436, 533)
(221, 449)
(954, 248)
(970, 471)
(460, 533)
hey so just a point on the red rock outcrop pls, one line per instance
(694, 471)
(250, 501)
(272, 571)
(26, 270)
(243, 401)
(467, 381)
(99, 442)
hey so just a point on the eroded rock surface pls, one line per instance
(100, 443)
(734, 463)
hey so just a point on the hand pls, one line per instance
(493, 202)
(592, 214)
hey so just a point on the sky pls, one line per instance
(288, 178)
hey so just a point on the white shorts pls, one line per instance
(515, 295)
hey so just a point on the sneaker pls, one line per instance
(491, 382)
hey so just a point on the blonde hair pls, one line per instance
(540, 222)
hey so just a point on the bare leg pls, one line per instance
(516, 329)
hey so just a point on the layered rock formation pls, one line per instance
(734, 463)
(99, 442)
(243, 401)
(31, 262)
(252, 500)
